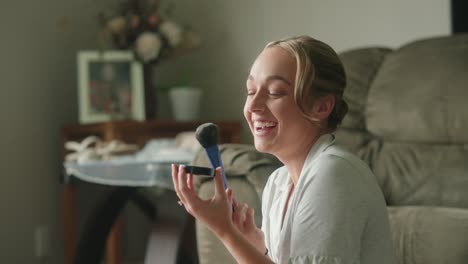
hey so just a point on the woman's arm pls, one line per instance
(241, 249)
(216, 213)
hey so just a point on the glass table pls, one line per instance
(103, 224)
(150, 167)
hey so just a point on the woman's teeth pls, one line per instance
(260, 124)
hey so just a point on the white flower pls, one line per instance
(172, 32)
(116, 24)
(148, 46)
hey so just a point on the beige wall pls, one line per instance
(38, 92)
(37, 95)
(235, 31)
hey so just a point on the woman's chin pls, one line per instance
(262, 146)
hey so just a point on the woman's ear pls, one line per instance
(323, 107)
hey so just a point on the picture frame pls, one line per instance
(110, 86)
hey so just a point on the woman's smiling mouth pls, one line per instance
(263, 127)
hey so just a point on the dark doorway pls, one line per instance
(459, 16)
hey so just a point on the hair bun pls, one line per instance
(342, 110)
(339, 112)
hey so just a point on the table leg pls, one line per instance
(92, 242)
(189, 243)
(69, 214)
(113, 255)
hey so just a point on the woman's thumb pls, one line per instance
(250, 219)
(229, 194)
(219, 183)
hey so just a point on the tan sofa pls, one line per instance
(408, 120)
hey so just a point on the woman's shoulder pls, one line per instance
(336, 157)
(339, 170)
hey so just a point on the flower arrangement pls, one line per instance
(141, 26)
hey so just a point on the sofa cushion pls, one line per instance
(361, 67)
(429, 235)
(422, 174)
(420, 93)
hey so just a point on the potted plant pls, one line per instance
(185, 102)
(185, 99)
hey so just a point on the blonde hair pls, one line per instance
(319, 72)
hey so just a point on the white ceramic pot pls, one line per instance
(185, 102)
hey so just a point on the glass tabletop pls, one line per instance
(149, 167)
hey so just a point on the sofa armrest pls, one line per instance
(241, 160)
(210, 249)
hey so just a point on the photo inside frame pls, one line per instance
(110, 88)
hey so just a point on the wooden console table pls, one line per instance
(130, 132)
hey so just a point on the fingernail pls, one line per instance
(181, 167)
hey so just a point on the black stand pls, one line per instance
(150, 92)
(91, 245)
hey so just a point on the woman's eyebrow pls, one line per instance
(272, 78)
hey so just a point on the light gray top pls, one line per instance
(337, 213)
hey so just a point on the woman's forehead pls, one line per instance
(274, 61)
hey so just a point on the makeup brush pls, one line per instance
(207, 134)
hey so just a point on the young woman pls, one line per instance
(324, 204)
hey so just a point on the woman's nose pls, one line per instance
(256, 103)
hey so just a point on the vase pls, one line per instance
(185, 102)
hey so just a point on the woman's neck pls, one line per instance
(296, 158)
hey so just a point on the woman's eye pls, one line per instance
(275, 93)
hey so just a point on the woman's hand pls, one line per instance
(243, 218)
(215, 213)
(236, 230)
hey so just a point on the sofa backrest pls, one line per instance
(408, 118)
